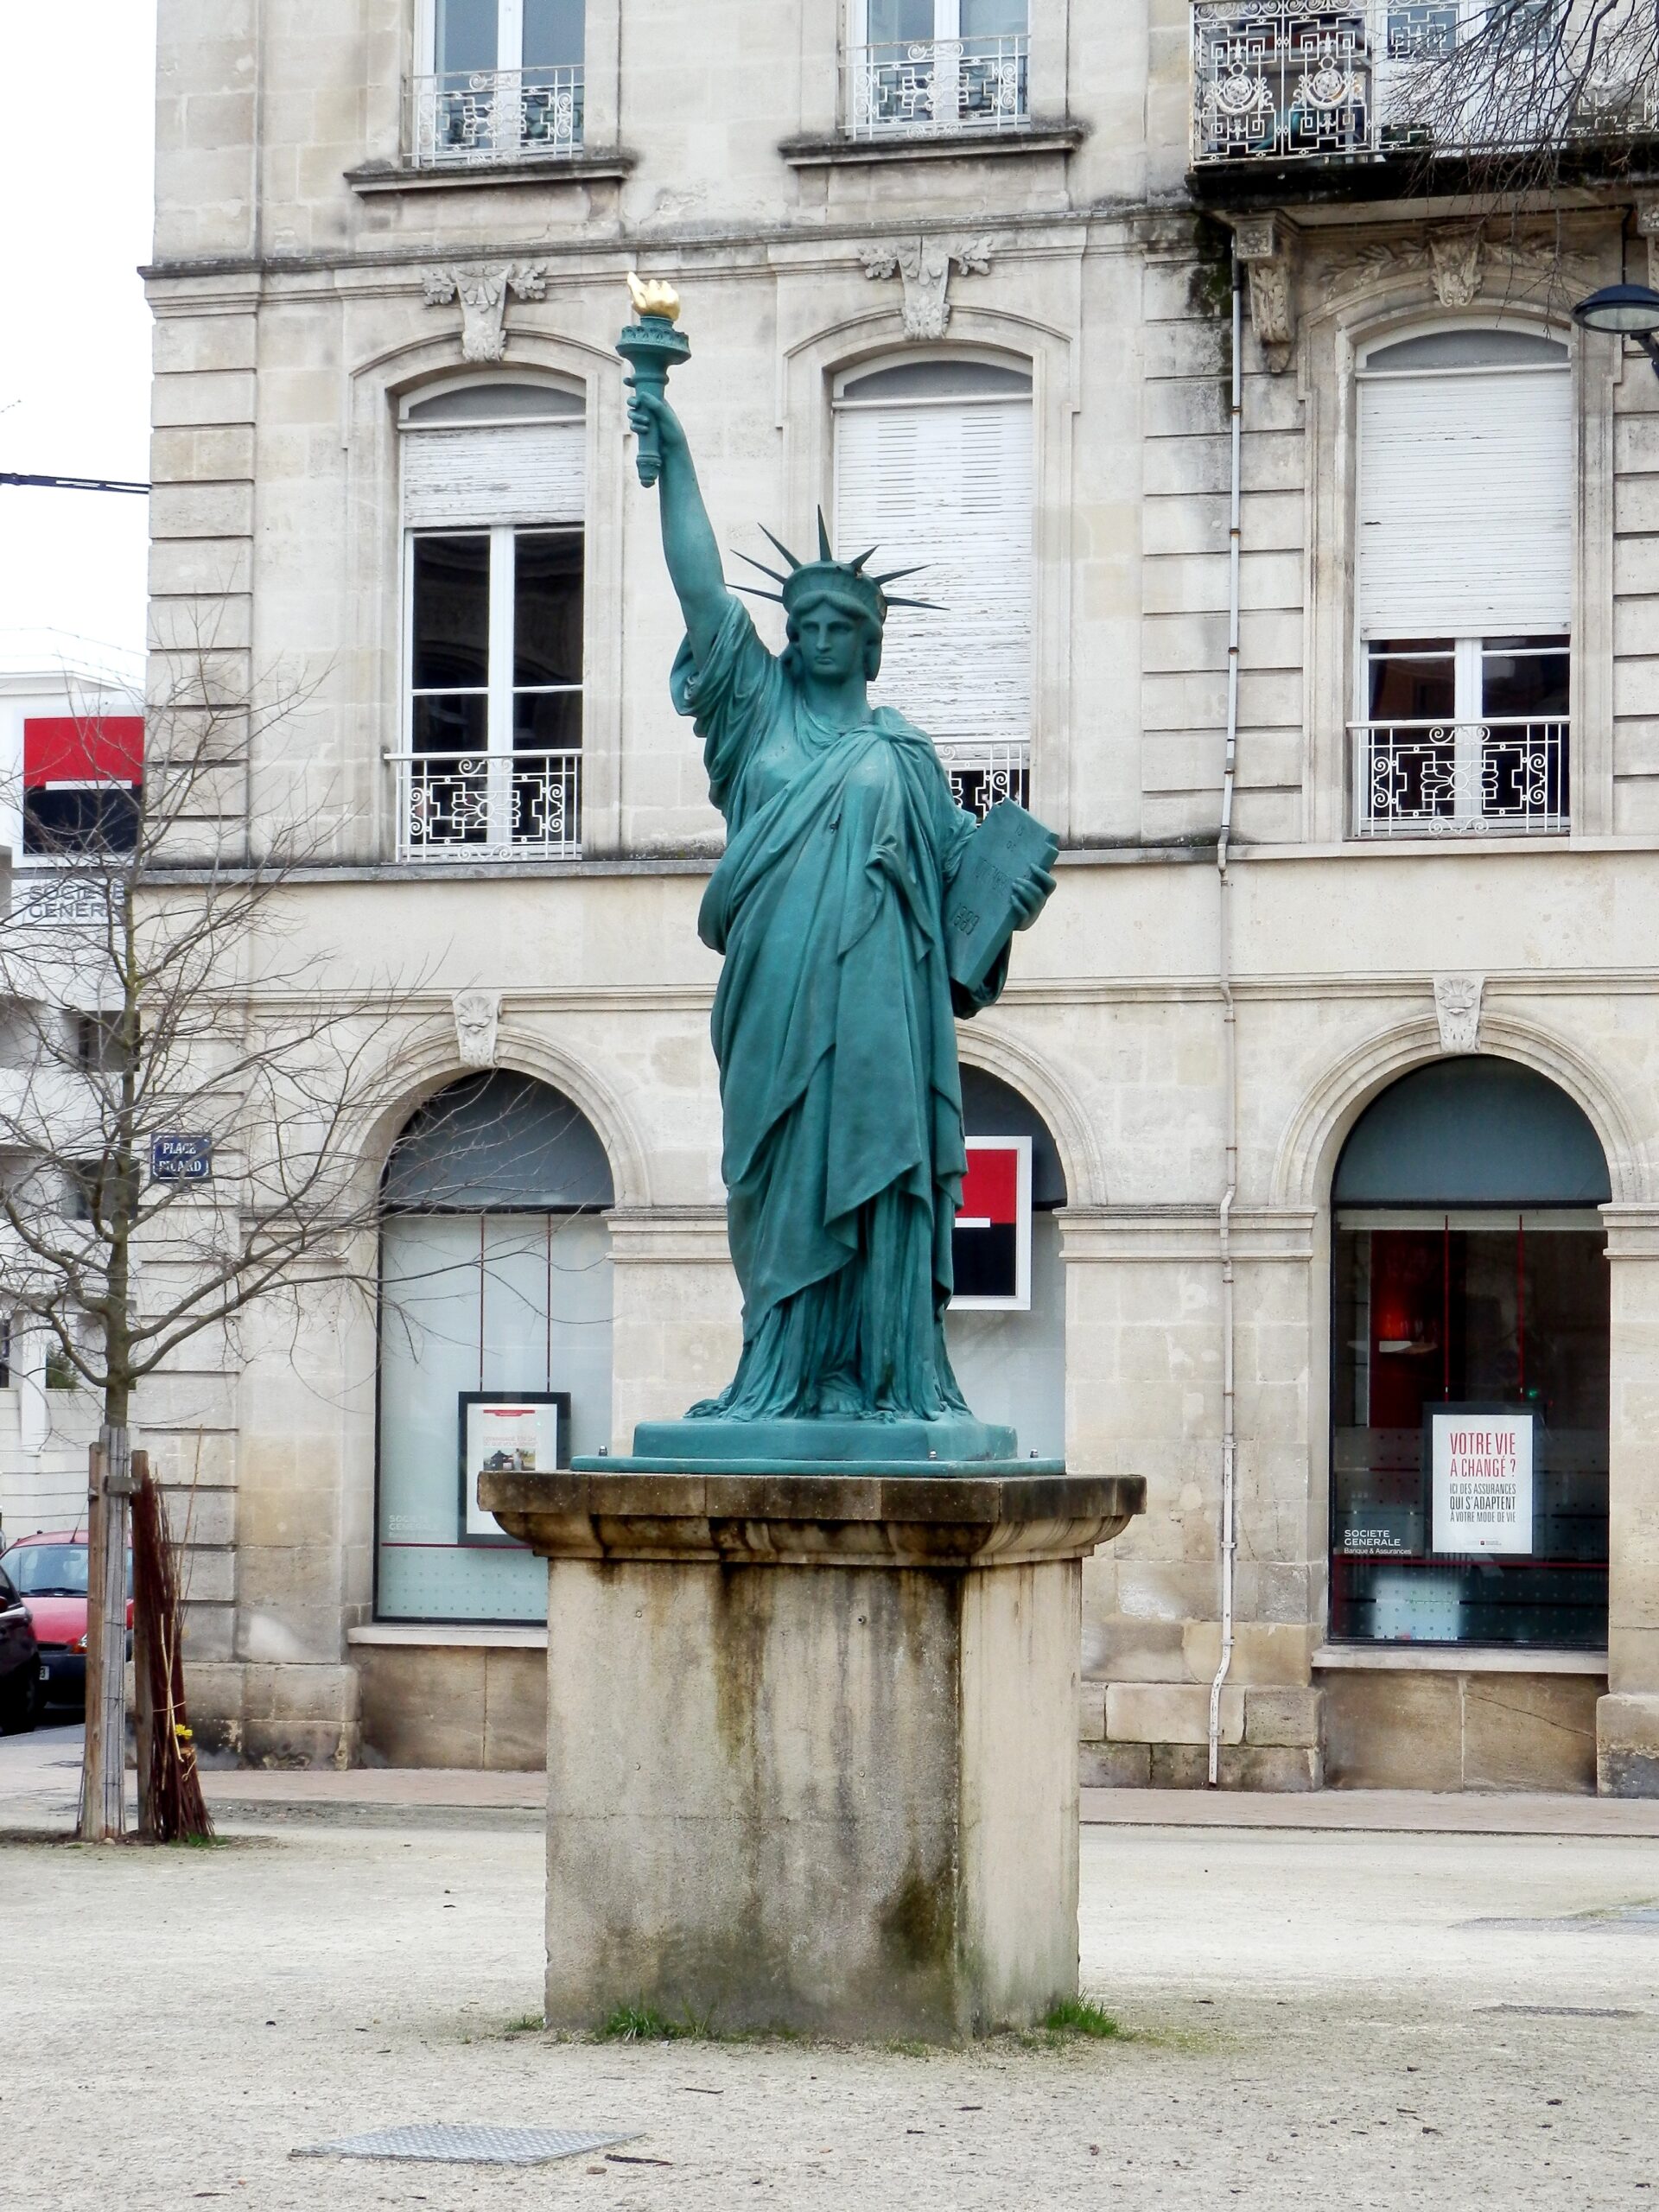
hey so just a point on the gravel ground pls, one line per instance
(1339, 2020)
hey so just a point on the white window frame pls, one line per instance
(945, 38)
(499, 690)
(1468, 710)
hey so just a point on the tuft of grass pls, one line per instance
(644, 2024)
(527, 2024)
(1080, 2016)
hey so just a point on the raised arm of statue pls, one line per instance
(688, 543)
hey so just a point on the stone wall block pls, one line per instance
(1627, 1746)
(1393, 1731)
(424, 1707)
(1091, 1712)
(1170, 1712)
(1530, 1732)
(1115, 1766)
(515, 1710)
(1283, 1719)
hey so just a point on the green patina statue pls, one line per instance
(834, 1019)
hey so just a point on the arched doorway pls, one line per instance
(1470, 1339)
(495, 1336)
(1006, 1329)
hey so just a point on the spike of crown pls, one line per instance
(846, 582)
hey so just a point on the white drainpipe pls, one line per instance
(1230, 1035)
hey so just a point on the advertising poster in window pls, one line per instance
(1481, 1463)
(990, 1246)
(512, 1434)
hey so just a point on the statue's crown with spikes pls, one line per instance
(844, 582)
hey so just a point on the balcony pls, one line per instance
(980, 775)
(470, 119)
(1290, 80)
(1505, 777)
(937, 87)
(486, 807)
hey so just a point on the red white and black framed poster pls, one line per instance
(990, 1246)
(501, 1432)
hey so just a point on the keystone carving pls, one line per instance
(1456, 1008)
(477, 1014)
(1264, 247)
(925, 266)
(482, 290)
(1457, 266)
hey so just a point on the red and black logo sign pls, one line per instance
(991, 1245)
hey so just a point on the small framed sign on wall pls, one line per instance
(990, 1245)
(1481, 1464)
(524, 1432)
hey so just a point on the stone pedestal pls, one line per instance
(812, 1741)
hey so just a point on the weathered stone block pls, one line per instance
(1288, 1717)
(1091, 1712)
(1627, 1746)
(1170, 1712)
(1115, 1766)
(1393, 1731)
(1530, 1732)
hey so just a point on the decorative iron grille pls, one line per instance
(980, 775)
(1287, 79)
(488, 806)
(495, 115)
(1505, 776)
(921, 88)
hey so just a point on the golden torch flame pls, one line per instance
(653, 296)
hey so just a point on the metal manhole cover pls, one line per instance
(472, 2145)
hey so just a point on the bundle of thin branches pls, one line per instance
(175, 1810)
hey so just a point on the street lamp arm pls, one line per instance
(71, 483)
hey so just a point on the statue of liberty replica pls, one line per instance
(860, 911)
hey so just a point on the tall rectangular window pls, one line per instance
(1464, 591)
(504, 80)
(917, 67)
(492, 506)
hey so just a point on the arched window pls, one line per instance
(933, 467)
(1470, 1360)
(495, 1336)
(494, 501)
(1006, 1328)
(1464, 593)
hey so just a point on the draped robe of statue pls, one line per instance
(833, 1028)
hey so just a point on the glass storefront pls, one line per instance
(1471, 1353)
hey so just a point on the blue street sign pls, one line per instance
(180, 1160)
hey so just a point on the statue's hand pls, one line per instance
(647, 411)
(1028, 899)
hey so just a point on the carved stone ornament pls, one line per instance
(1456, 1008)
(482, 288)
(1457, 261)
(1264, 247)
(1457, 265)
(477, 1014)
(1647, 224)
(925, 266)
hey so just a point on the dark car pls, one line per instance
(20, 1663)
(49, 1570)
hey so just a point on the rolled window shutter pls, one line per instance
(522, 473)
(949, 486)
(1465, 505)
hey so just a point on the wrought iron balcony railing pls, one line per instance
(982, 774)
(1504, 776)
(495, 115)
(488, 806)
(1278, 80)
(932, 88)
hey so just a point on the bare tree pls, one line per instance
(184, 1093)
(1538, 90)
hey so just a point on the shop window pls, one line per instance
(495, 1336)
(1006, 1330)
(1463, 585)
(494, 501)
(933, 467)
(1471, 1338)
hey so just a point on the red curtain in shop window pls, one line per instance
(83, 749)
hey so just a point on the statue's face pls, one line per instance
(831, 643)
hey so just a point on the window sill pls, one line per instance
(455, 1635)
(1454, 1659)
(613, 162)
(853, 153)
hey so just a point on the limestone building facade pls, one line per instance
(1270, 490)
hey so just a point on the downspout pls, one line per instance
(1229, 1045)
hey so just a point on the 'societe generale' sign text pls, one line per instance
(1483, 1480)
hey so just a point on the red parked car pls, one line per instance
(49, 1573)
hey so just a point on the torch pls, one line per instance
(650, 344)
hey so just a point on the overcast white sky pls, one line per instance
(75, 204)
